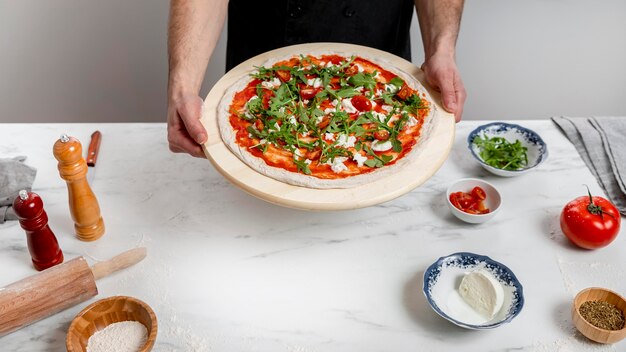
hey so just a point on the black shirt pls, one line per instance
(257, 26)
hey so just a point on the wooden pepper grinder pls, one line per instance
(83, 203)
(42, 244)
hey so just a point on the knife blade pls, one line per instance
(92, 155)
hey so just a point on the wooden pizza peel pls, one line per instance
(434, 151)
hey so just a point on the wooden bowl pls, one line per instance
(590, 331)
(100, 314)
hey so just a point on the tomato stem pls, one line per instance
(594, 208)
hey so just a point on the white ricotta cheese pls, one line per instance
(337, 165)
(346, 141)
(292, 120)
(387, 108)
(307, 161)
(412, 121)
(329, 136)
(271, 84)
(482, 292)
(380, 116)
(334, 102)
(359, 67)
(381, 146)
(359, 158)
(391, 88)
(328, 111)
(348, 107)
(314, 82)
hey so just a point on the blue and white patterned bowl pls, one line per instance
(537, 149)
(445, 275)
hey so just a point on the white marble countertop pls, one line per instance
(228, 272)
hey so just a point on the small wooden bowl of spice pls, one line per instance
(118, 323)
(598, 313)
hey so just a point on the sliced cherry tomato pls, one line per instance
(471, 203)
(352, 70)
(324, 123)
(313, 154)
(283, 75)
(259, 125)
(466, 200)
(308, 93)
(405, 92)
(361, 103)
(478, 193)
(381, 135)
(454, 199)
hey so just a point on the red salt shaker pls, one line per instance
(42, 244)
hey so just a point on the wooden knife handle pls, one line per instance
(119, 262)
(94, 147)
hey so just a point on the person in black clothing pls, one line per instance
(255, 27)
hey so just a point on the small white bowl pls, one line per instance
(537, 150)
(493, 200)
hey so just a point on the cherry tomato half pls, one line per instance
(472, 202)
(308, 93)
(381, 135)
(478, 193)
(283, 75)
(361, 103)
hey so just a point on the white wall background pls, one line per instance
(88, 60)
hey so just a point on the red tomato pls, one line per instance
(381, 135)
(352, 70)
(590, 222)
(361, 103)
(259, 125)
(283, 75)
(471, 203)
(324, 123)
(405, 92)
(478, 193)
(454, 199)
(308, 93)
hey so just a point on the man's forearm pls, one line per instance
(194, 29)
(439, 24)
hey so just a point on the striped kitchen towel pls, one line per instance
(601, 143)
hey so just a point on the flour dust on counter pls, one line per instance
(124, 336)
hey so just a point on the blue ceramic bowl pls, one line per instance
(537, 149)
(445, 274)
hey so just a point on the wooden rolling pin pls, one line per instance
(57, 288)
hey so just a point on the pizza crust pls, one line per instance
(302, 180)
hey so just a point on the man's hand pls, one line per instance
(193, 31)
(440, 21)
(442, 74)
(185, 133)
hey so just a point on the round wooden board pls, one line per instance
(434, 153)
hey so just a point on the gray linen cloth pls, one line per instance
(14, 176)
(601, 143)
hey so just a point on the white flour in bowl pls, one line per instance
(125, 336)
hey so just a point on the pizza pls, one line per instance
(325, 120)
